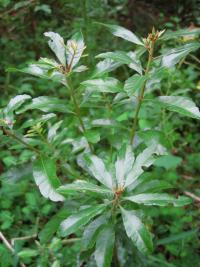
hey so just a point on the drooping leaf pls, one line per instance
(118, 56)
(82, 186)
(52, 226)
(134, 84)
(105, 66)
(43, 70)
(81, 218)
(123, 33)
(104, 247)
(173, 56)
(135, 64)
(45, 104)
(27, 253)
(91, 231)
(123, 166)
(159, 199)
(144, 159)
(168, 162)
(13, 105)
(44, 173)
(57, 45)
(42, 119)
(136, 230)
(106, 85)
(74, 50)
(98, 170)
(177, 237)
(92, 136)
(52, 132)
(180, 33)
(151, 186)
(180, 104)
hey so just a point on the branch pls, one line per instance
(9, 246)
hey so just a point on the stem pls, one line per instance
(115, 257)
(78, 111)
(141, 95)
(9, 246)
(11, 134)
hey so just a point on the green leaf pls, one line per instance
(13, 105)
(144, 159)
(180, 33)
(118, 56)
(173, 56)
(82, 186)
(105, 85)
(44, 173)
(180, 104)
(150, 186)
(168, 162)
(98, 170)
(136, 230)
(52, 226)
(123, 33)
(177, 237)
(159, 199)
(105, 66)
(92, 136)
(134, 84)
(42, 119)
(27, 253)
(123, 166)
(45, 69)
(104, 247)
(45, 104)
(91, 231)
(75, 221)
(74, 50)
(57, 45)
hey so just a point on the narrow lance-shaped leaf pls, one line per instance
(105, 66)
(91, 231)
(57, 45)
(98, 170)
(123, 33)
(173, 56)
(45, 104)
(123, 166)
(134, 84)
(144, 159)
(74, 50)
(190, 33)
(13, 105)
(123, 58)
(44, 173)
(106, 85)
(104, 247)
(159, 199)
(136, 230)
(180, 104)
(52, 225)
(82, 217)
(82, 186)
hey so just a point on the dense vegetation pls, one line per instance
(99, 157)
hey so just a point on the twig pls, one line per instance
(9, 246)
(11, 134)
(193, 196)
(141, 96)
(71, 240)
(22, 238)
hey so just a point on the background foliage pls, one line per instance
(24, 212)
